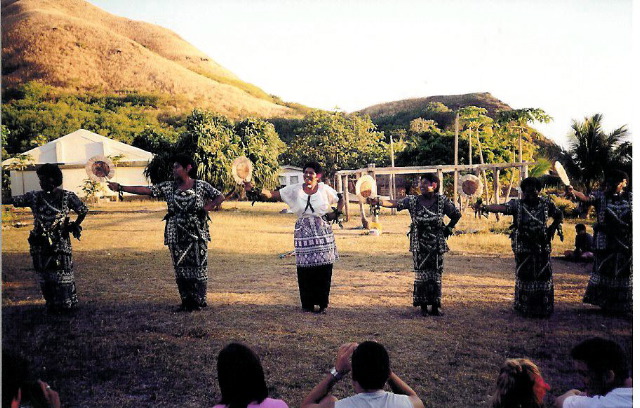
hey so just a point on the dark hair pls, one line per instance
(50, 170)
(517, 385)
(16, 377)
(185, 160)
(531, 182)
(313, 165)
(601, 355)
(432, 177)
(370, 365)
(614, 177)
(240, 376)
(581, 227)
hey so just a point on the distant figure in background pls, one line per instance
(584, 245)
(313, 239)
(604, 368)
(531, 244)
(187, 230)
(20, 389)
(241, 380)
(519, 384)
(610, 285)
(49, 241)
(427, 239)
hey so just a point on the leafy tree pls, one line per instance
(214, 141)
(592, 151)
(337, 141)
(515, 122)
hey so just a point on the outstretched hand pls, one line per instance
(113, 186)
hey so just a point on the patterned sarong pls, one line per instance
(314, 242)
(610, 284)
(534, 285)
(54, 269)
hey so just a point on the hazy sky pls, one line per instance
(572, 58)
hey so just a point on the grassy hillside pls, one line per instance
(75, 46)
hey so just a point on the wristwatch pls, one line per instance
(335, 374)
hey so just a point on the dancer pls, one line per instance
(428, 237)
(314, 243)
(49, 241)
(520, 384)
(531, 244)
(187, 230)
(610, 284)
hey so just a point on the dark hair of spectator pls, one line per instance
(17, 377)
(370, 365)
(581, 227)
(519, 384)
(614, 177)
(602, 355)
(185, 160)
(432, 177)
(240, 376)
(51, 171)
(531, 182)
(313, 165)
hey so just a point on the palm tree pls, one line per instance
(592, 151)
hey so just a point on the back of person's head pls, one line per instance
(601, 356)
(581, 228)
(240, 376)
(18, 382)
(50, 170)
(519, 385)
(370, 365)
(185, 160)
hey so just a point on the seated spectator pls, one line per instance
(584, 245)
(519, 384)
(241, 380)
(369, 363)
(604, 369)
(19, 389)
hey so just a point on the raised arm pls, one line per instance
(400, 387)
(319, 396)
(140, 190)
(577, 194)
(382, 202)
(266, 194)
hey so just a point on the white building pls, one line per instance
(71, 153)
(289, 175)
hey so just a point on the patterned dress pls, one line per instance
(50, 245)
(532, 250)
(187, 236)
(428, 244)
(610, 284)
(314, 242)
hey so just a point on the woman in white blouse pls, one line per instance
(314, 243)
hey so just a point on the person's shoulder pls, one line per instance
(272, 403)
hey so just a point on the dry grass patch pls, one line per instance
(127, 348)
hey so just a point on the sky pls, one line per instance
(572, 58)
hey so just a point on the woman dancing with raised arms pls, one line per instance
(428, 239)
(187, 230)
(610, 283)
(314, 243)
(531, 245)
(49, 240)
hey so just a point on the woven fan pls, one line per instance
(100, 168)
(241, 169)
(562, 173)
(470, 186)
(366, 187)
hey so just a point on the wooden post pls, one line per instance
(496, 185)
(392, 176)
(345, 193)
(441, 183)
(455, 162)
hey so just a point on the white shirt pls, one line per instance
(616, 398)
(302, 203)
(378, 399)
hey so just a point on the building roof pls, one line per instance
(78, 147)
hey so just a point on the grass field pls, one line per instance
(126, 347)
